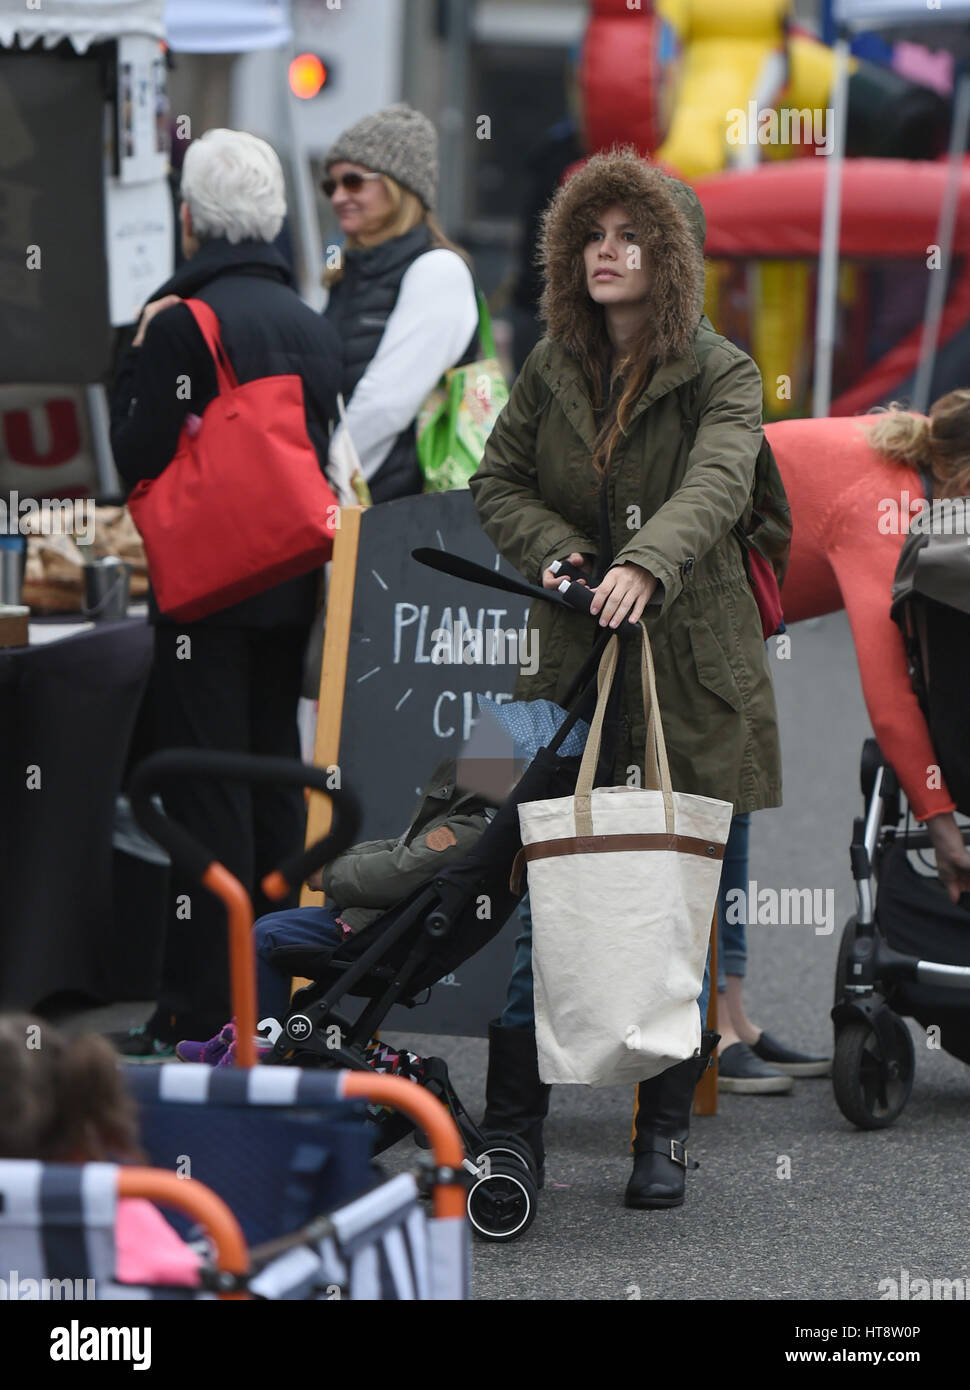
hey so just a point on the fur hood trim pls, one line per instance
(670, 225)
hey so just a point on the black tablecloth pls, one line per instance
(67, 710)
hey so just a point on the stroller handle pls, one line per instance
(920, 839)
(192, 856)
(571, 594)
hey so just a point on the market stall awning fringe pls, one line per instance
(81, 22)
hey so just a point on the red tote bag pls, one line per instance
(767, 595)
(244, 503)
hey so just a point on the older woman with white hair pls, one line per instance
(231, 680)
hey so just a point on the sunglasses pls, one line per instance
(353, 183)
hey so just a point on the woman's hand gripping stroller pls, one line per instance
(952, 855)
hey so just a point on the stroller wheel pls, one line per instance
(872, 1082)
(502, 1200)
(508, 1148)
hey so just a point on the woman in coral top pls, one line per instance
(853, 486)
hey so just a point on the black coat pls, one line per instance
(359, 306)
(266, 330)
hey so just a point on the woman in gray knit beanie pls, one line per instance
(402, 296)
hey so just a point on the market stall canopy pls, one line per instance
(890, 209)
(227, 26)
(81, 22)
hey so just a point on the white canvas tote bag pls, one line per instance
(623, 884)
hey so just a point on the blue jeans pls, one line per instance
(732, 951)
(296, 926)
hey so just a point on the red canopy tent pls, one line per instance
(890, 210)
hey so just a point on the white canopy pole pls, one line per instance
(939, 275)
(828, 269)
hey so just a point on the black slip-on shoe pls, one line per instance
(787, 1060)
(739, 1070)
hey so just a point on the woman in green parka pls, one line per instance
(635, 422)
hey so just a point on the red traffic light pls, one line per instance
(308, 75)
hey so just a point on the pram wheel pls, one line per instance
(502, 1199)
(872, 1080)
(508, 1148)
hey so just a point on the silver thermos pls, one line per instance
(13, 550)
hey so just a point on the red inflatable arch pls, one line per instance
(621, 76)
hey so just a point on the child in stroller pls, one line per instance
(360, 885)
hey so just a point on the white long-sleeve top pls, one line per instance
(427, 331)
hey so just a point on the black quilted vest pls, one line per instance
(359, 307)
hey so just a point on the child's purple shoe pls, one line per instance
(228, 1059)
(210, 1052)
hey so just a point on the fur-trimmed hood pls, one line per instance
(670, 224)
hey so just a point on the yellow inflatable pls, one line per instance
(739, 70)
(724, 49)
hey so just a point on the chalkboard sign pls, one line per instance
(407, 651)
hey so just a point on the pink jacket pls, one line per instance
(147, 1249)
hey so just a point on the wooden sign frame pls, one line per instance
(333, 671)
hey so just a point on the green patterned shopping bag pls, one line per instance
(457, 417)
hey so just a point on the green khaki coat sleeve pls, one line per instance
(524, 528)
(718, 479)
(381, 873)
(348, 880)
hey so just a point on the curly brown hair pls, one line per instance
(62, 1099)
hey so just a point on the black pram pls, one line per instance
(905, 952)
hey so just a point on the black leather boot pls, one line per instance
(516, 1101)
(660, 1128)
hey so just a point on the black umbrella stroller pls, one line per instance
(443, 923)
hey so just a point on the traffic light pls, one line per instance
(309, 74)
